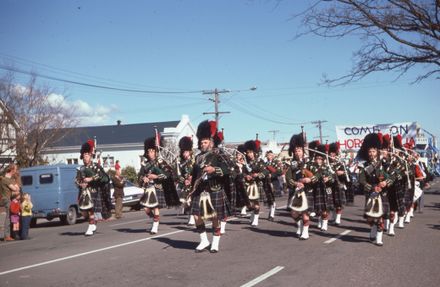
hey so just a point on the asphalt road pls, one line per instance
(122, 253)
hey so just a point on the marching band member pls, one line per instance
(272, 183)
(322, 181)
(207, 195)
(254, 180)
(242, 199)
(341, 181)
(91, 179)
(152, 177)
(185, 165)
(373, 180)
(298, 178)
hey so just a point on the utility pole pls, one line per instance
(216, 92)
(319, 126)
(273, 132)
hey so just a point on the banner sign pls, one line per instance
(351, 137)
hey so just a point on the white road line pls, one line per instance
(263, 277)
(87, 253)
(129, 222)
(97, 250)
(337, 237)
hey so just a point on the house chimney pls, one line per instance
(118, 122)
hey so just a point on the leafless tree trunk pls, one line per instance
(397, 34)
(34, 111)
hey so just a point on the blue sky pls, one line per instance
(202, 45)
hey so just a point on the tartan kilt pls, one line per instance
(396, 197)
(160, 195)
(323, 200)
(385, 204)
(241, 195)
(269, 192)
(219, 202)
(338, 194)
(310, 199)
(97, 200)
(261, 192)
(409, 196)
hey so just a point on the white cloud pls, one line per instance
(86, 114)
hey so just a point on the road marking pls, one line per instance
(129, 222)
(263, 277)
(87, 253)
(337, 237)
(97, 250)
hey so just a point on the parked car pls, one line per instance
(53, 190)
(132, 195)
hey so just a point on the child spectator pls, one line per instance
(26, 216)
(15, 215)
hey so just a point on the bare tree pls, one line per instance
(35, 110)
(397, 34)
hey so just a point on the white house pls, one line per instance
(117, 142)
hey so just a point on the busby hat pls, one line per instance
(334, 147)
(397, 140)
(87, 147)
(386, 141)
(251, 145)
(149, 143)
(206, 130)
(241, 148)
(186, 143)
(296, 141)
(370, 141)
(312, 147)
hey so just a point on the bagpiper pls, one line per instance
(184, 174)
(322, 183)
(255, 177)
(154, 176)
(341, 182)
(208, 198)
(91, 179)
(274, 167)
(373, 180)
(298, 180)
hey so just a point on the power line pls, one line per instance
(94, 85)
(319, 126)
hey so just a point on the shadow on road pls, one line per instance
(178, 244)
(277, 233)
(70, 233)
(434, 226)
(131, 230)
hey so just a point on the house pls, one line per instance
(8, 131)
(117, 142)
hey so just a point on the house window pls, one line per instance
(72, 161)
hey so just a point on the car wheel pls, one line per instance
(71, 216)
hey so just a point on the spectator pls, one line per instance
(118, 194)
(9, 186)
(26, 216)
(15, 215)
(117, 166)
